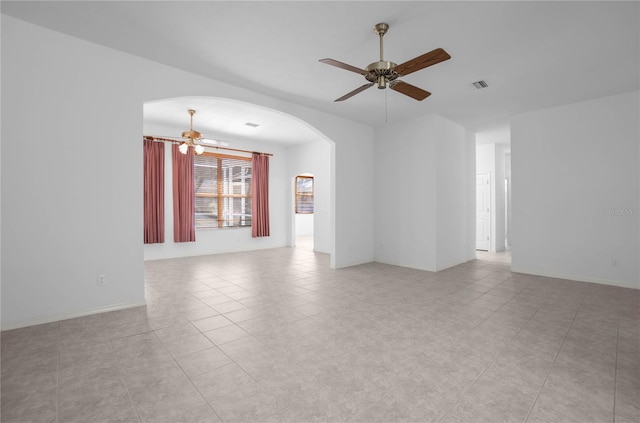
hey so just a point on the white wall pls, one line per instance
(405, 181)
(423, 195)
(500, 199)
(507, 176)
(0, 202)
(223, 240)
(304, 224)
(471, 194)
(314, 158)
(575, 191)
(352, 199)
(455, 242)
(77, 209)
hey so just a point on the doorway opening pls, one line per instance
(493, 192)
(304, 189)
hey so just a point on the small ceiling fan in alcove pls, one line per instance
(384, 73)
(190, 139)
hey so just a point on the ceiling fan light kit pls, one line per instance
(189, 138)
(384, 72)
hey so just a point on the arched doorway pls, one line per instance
(295, 145)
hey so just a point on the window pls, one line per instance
(304, 194)
(222, 190)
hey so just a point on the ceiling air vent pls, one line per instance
(480, 84)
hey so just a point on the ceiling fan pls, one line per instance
(190, 138)
(384, 72)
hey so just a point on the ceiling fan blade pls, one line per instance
(354, 92)
(343, 66)
(428, 59)
(410, 90)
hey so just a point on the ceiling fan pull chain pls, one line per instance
(386, 109)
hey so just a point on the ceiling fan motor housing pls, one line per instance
(381, 72)
(194, 135)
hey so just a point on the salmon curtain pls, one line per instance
(184, 224)
(153, 192)
(259, 195)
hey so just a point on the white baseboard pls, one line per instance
(579, 278)
(65, 316)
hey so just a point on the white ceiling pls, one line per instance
(532, 54)
(225, 120)
(497, 132)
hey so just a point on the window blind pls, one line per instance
(222, 191)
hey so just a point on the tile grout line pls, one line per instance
(492, 361)
(393, 388)
(198, 390)
(232, 362)
(390, 390)
(533, 404)
(124, 380)
(387, 297)
(615, 377)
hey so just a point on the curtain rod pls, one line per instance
(149, 137)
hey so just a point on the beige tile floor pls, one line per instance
(275, 335)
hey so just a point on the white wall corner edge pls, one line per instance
(352, 263)
(453, 263)
(575, 278)
(64, 316)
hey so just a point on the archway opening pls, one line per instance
(304, 207)
(297, 148)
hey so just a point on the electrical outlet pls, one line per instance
(614, 262)
(102, 279)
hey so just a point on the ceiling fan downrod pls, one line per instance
(381, 72)
(381, 29)
(191, 134)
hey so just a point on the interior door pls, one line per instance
(483, 211)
